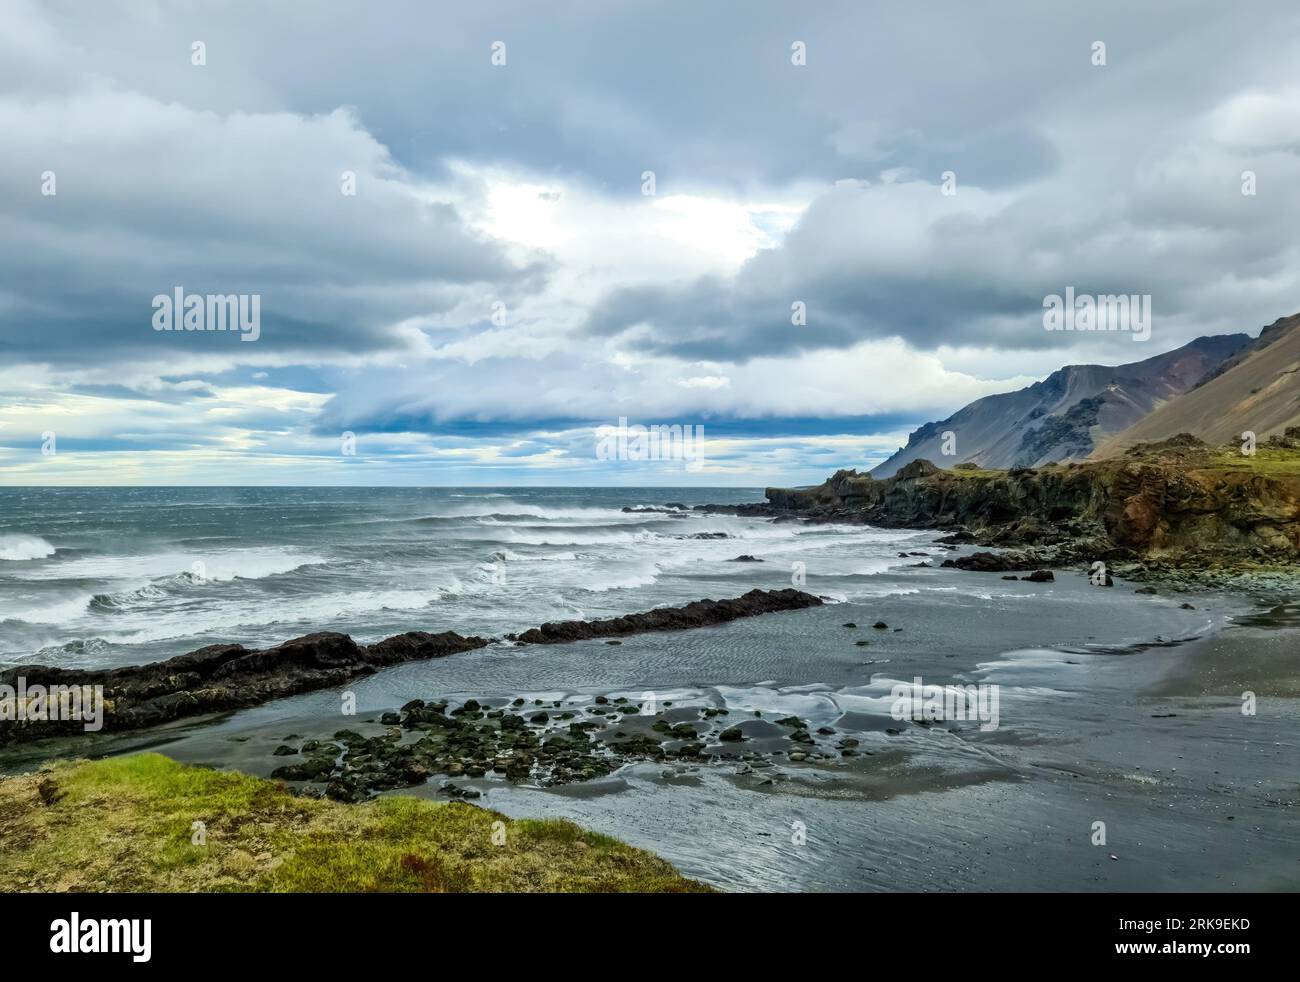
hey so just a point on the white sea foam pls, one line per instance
(18, 548)
(220, 565)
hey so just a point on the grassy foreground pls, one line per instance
(127, 824)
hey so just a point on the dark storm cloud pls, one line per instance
(225, 178)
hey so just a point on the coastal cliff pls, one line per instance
(1178, 503)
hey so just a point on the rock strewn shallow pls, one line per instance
(543, 743)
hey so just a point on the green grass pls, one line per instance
(1267, 461)
(126, 824)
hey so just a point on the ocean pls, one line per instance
(113, 576)
(1087, 730)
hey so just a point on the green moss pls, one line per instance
(128, 824)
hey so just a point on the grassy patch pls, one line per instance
(128, 824)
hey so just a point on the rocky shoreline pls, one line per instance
(543, 743)
(1179, 510)
(220, 678)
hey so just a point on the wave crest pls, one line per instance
(18, 548)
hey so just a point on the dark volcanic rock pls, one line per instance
(223, 677)
(700, 613)
(549, 751)
(1179, 505)
(989, 562)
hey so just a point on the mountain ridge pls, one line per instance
(1080, 405)
(1257, 389)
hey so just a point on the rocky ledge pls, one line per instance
(219, 678)
(700, 613)
(224, 677)
(1160, 509)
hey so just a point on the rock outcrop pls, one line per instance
(224, 677)
(700, 613)
(218, 678)
(1178, 502)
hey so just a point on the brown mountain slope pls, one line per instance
(1068, 414)
(1259, 391)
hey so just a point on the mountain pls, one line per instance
(1257, 389)
(1067, 414)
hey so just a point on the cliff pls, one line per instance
(1179, 502)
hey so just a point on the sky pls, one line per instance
(481, 234)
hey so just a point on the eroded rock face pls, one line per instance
(1177, 501)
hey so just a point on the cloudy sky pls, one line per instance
(500, 284)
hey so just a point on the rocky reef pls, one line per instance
(218, 678)
(224, 677)
(1176, 505)
(700, 613)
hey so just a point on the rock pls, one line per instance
(731, 735)
(1040, 576)
(986, 562)
(848, 624)
(700, 613)
(390, 719)
(746, 559)
(1179, 503)
(223, 677)
(1011, 577)
(880, 625)
(283, 750)
(310, 770)
(1147, 590)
